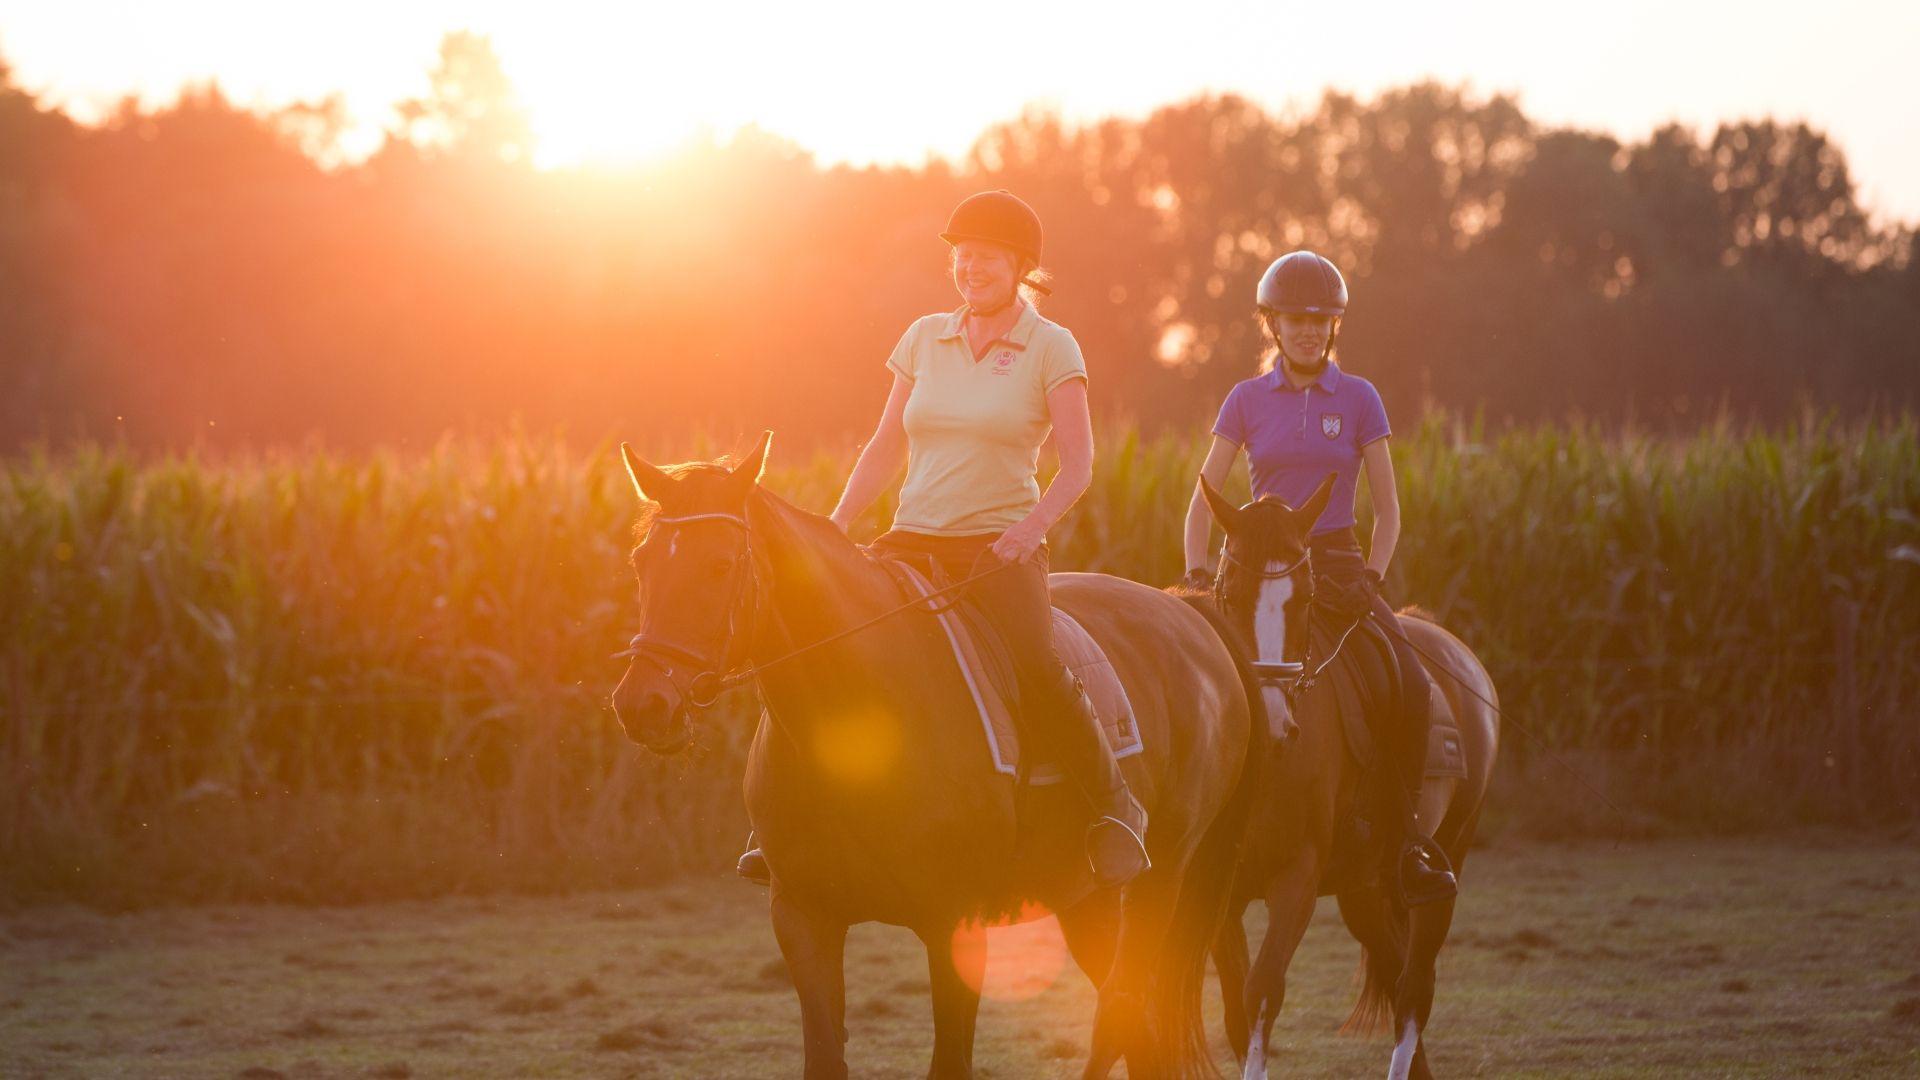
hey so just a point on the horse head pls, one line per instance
(1265, 578)
(699, 594)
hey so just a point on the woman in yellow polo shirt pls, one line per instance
(975, 392)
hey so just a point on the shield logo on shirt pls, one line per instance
(1003, 363)
(1330, 424)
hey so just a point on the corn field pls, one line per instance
(303, 676)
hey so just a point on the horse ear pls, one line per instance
(1224, 512)
(747, 473)
(648, 482)
(1310, 511)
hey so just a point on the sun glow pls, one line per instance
(593, 101)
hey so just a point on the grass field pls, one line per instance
(1731, 958)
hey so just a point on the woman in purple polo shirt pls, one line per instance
(1298, 422)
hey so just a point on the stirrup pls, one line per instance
(753, 867)
(1432, 883)
(1120, 860)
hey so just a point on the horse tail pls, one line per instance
(1383, 950)
(1174, 1008)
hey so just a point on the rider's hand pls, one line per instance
(1198, 579)
(1376, 585)
(1018, 543)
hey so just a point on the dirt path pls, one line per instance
(1751, 958)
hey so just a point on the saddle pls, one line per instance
(1371, 682)
(989, 673)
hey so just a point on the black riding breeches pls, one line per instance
(1014, 601)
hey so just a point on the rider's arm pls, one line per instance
(1199, 519)
(1073, 440)
(880, 460)
(1386, 505)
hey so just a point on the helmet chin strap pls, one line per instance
(1287, 361)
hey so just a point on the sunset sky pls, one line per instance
(893, 81)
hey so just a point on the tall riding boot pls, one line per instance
(1422, 873)
(1117, 839)
(753, 863)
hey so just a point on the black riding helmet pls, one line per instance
(1302, 283)
(998, 217)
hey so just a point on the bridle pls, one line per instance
(1290, 677)
(700, 679)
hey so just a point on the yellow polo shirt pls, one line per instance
(974, 427)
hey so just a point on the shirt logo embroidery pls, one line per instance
(1003, 364)
(1330, 424)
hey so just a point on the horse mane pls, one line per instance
(1415, 611)
(1203, 601)
(650, 508)
(817, 540)
(788, 516)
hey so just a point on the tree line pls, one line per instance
(201, 273)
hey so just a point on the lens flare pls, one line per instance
(1025, 956)
(858, 748)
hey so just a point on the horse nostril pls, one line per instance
(646, 715)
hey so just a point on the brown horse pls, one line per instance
(1306, 841)
(872, 791)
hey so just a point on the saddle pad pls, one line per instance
(1446, 754)
(993, 693)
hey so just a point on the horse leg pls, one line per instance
(1428, 926)
(1413, 998)
(815, 949)
(1230, 962)
(1290, 899)
(1120, 1028)
(956, 964)
(1092, 933)
(1091, 929)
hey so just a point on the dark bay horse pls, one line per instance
(872, 791)
(1304, 842)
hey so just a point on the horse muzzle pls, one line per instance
(654, 717)
(1278, 680)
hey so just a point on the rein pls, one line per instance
(708, 683)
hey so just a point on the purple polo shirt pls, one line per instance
(1294, 438)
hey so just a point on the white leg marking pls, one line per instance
(1255, 1067)
(1403, 1053)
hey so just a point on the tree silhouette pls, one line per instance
(200, 273)
(471, 109)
